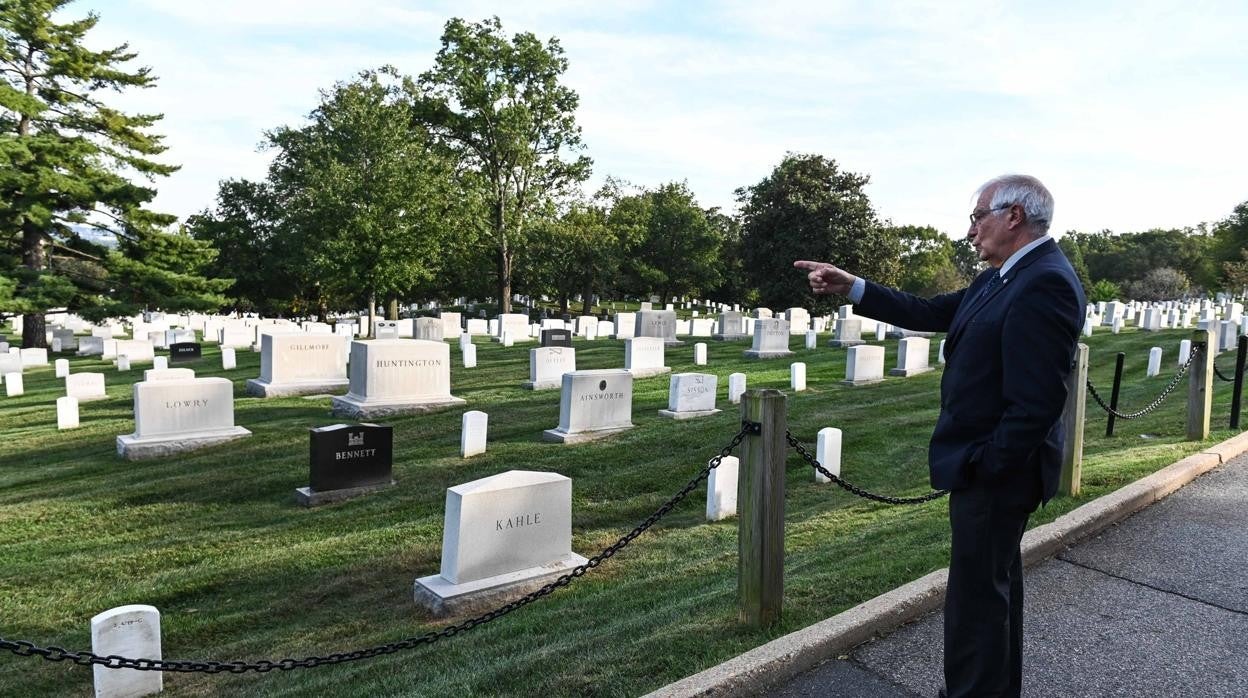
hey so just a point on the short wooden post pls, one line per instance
(760, 509)
(1072, 422)
(1200, 386)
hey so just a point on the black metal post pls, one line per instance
(1113, 398)
(1239, 380)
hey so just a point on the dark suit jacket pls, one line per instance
(1007, 357)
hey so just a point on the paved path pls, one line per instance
(1154, 606)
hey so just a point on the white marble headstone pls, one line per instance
(473, 429)
(828, 452)
(66, 413)
(469, 354)
(127, 631)
(912, 353)
(797, 376)
(85, 386)
(771, 339)
(736, 387)
(864, 364)
(62, 368)
(506, 523)
(721, 489)
(699, 354)
(36, 356)
(229, 360)
(547, 366)
(691, 395)
(593, 404)
(644, 356)
(168, 374)
(1154, 361)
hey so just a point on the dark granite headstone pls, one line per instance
(556, 338)
(181, 352)
(350, 456)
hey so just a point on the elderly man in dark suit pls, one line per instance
(998, 441)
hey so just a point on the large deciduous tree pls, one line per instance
(366, 192)
(674, 245)
(927, 261)
(809, 208)
(247, 226)
(67, 163)
(499, 103)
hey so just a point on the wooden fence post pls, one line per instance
(1072, 420)
(1200, 386)
(760, 509)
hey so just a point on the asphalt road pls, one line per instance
(1156, 605)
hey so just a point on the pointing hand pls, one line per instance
(826, 278)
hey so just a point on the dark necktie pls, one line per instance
(993, 282)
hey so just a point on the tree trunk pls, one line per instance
(372, 314)
(504, 282)
(392, 309)
(587, 295)
(563, 303)
(34, 257)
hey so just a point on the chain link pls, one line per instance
(1218, 373)
(1174, 383)
(22, 648)
(801, 451)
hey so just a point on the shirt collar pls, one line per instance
(1022, 252)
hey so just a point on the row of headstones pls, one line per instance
(1161, 315)
(501, 533)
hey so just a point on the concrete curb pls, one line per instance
(782, 659)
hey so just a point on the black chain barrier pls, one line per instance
(1218, 373)
(854, 489)
(23, 648)
(1174, 383)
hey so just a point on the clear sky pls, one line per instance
(1133, 113)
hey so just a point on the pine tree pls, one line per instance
(66, 163)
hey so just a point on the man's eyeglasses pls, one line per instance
(977, 216)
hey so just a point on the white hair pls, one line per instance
(1024, 191)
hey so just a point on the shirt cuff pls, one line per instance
(857, 290)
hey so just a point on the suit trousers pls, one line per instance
(984, 597)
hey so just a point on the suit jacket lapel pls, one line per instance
(968, 311)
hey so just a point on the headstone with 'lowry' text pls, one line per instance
(177, 416)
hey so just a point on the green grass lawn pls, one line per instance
(239, 571)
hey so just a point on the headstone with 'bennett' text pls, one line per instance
(347, 460)
(504, 535)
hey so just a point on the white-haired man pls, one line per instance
(997, 443)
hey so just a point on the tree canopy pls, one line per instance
(809, 208)
(69, 166)
(500, 105)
